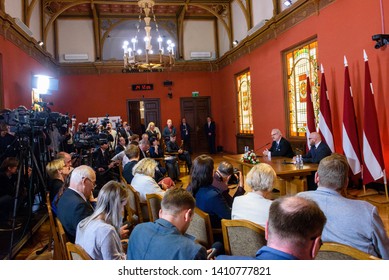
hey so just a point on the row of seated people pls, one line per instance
(335, 218)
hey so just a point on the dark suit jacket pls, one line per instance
(100, 160)
(284, 149)
(211, 129)
(315, 155)
(71, 209)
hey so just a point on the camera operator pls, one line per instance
(8, 181)
(7, 141)
(225, 176)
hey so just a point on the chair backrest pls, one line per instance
(337, 251)
(63, 239)
(133, 207)
(200, 227)
(153, 205)
(242, 237)
(76, 252)
(54, 237)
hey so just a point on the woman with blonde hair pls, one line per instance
(255, 205)
(143, 181)
(153, 131)
(57, 172)
(99, 234)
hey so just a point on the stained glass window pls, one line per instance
(300, 62)
(244, 103)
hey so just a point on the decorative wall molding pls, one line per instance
(275, 26)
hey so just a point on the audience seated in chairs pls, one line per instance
(165, 239)
(208, 198)
(143, 181)
(100, 233)
(156, 152)
(103, 165)
(132, 155)
(57, 172)
(351, 222)
(293, 231)
(223, 176)
(172, 147)
(121, 145)
(74, 205)
(255, 205)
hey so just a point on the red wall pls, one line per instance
(343, 28)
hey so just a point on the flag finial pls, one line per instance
(365, 56)
(345, 61)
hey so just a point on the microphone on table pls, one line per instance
(261, 147)
(217, 249)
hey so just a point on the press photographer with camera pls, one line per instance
(227, 177)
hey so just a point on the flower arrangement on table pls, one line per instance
(250, 157)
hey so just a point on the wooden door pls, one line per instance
(151, 113)
(196, 110)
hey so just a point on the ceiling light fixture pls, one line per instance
(134, 59)
(287, 3)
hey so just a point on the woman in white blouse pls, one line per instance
(254, 206)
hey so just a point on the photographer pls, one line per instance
(7, 142)
(225, 176)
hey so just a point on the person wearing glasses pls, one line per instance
(74, 205)
(293, 231)
(100, 233)
(280, 147)
(352, 222)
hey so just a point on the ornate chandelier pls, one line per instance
(134, 59)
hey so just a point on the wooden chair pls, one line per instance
(200, 227)
(337, 251)
(242, 237)
(54, 237)
(133, 206)
(153, 205)
(63, 239)
(76, 252)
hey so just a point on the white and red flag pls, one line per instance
(325, 122)
(373, 160)
(311, 127)
(349, 129)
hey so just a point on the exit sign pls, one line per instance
(138, 87)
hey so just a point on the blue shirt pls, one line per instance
(265, 253)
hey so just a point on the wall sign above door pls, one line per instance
(137, 87)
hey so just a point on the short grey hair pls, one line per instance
(146, 166)
(261, 177)
(333, 172)
(80, 172)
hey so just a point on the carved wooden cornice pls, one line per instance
(275, 26)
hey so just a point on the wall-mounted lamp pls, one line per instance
(381, 40)
(235, 43)
(170, 94)
(40, 43)
(287, 3)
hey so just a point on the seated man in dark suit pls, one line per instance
(293, 231)
(172, 147)
(280, 146)
(103, 165)
(74, 205)
(318, 151)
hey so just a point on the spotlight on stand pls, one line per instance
(381, 40)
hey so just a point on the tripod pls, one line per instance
(37, 183)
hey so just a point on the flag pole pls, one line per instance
(380, 199)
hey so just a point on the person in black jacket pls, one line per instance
(210, 132)
(280, 146)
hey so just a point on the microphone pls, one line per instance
(261, 147)
(217, 249)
